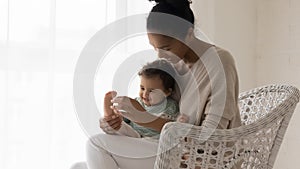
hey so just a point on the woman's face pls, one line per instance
(168, 48)
(152, 91)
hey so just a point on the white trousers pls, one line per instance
(106, 151)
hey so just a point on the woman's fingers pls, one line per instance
(105, 127)
(108, 120)
(120, 99)
(102, 123)
(112, 125)
(116, 125)
(120, 109)
(119, 113)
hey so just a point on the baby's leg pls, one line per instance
(107, 103)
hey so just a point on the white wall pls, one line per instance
(278, 61)
(231, 24)
(264, 38)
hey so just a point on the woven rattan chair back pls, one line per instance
(265, 114)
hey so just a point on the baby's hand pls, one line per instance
(183, 118)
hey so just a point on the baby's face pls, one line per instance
(152, 90)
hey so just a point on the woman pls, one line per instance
(209, 91)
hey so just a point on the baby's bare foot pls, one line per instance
(107, 103)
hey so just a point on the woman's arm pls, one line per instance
(156, 124)
(213, 121)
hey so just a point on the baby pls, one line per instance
(156, 87)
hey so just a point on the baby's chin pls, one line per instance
(149, 103)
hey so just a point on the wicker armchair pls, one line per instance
(265, 114)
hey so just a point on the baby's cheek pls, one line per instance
(156, 97)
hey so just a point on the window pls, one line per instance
(40, 41)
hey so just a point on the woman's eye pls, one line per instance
(142, 88)
(166, 49)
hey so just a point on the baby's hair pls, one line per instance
(162, 68)
(179, 8)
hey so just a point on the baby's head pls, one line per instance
(157, 81)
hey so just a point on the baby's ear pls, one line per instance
(190, 35)
(169, 92)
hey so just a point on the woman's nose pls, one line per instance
(166, 54)
(161, 53)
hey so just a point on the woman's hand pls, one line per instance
(111, 124)
(132, 110)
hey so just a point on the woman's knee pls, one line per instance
(95, 142)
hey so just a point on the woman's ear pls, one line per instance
(190, 35)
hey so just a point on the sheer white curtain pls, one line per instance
(40, 41)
